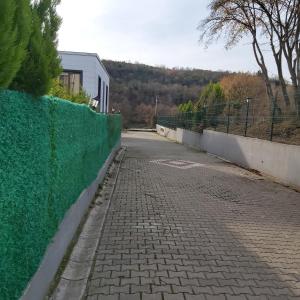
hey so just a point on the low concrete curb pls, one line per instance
(40, 283)
(73, 281)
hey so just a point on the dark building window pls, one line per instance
(99, 88)
(106, 99)
(103, 98)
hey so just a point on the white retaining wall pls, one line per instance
(167, 132)
(273, 159)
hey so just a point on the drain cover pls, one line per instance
(179, 164)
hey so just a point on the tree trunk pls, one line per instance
(282, 81)
(269, 91)
(261, 62)
(297, 100)
(278, 60)
(284, 92)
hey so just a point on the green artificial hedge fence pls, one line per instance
(50, 151)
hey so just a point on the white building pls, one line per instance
(86, 71)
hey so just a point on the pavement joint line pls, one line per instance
(212, 233)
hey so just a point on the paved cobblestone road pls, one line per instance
(213, 231)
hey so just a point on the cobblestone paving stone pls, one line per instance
(210, 232)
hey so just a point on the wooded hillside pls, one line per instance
(134, 88)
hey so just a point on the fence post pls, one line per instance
(246, 124)
(228, 118)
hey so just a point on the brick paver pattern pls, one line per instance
(214, 231)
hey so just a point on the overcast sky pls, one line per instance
(155, 32)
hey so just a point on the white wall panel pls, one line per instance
(92, 69)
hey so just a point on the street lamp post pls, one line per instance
(247, 115)
(156, 106)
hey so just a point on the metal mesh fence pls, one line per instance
(250, 118)
(50, 151)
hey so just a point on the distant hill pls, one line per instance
(134, 88)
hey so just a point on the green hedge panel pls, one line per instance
(50, 151)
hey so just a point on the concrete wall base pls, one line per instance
(40, 283)
(280, 161)
(166, 132)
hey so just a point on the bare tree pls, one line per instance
(272, 22)
(282, 26)
(237, 18)
(271, 32)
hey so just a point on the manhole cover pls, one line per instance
(179, 164)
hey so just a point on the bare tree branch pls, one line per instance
(275, 20)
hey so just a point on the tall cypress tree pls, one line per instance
(33, 75)
(51, 22)
(15, 27)
(42, 63)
